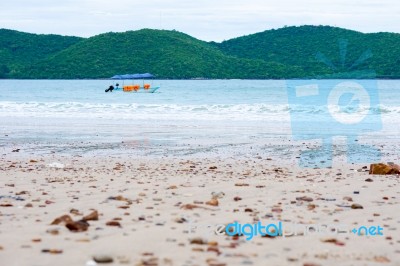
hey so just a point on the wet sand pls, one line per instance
(148, 209)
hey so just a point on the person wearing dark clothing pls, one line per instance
(110, 89)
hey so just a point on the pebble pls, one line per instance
(304, 198)
(93, 216)
(357, 206)
(75, 212)
(119, 198)
(53, 232)
(198, 241)
(333, 241)
(78, 226)
(329, 199)
(103, 259)
(12, 197)
(311, 207)
(190, 207)
(62, 219)
(348, 198)
(218, 195)
(180, 220)
(52, 251)
(212, 202)
(113, 223)
(276, 209)
(24, 192)
(241, 185)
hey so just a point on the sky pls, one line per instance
(209, 20)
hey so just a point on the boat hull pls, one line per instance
(140, 90)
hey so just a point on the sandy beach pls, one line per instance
(155, 211)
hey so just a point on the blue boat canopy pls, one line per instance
(133, 76)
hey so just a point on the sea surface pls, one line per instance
(191, 116)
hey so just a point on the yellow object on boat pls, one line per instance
(128, 88)
(131, 88)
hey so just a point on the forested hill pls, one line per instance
(321, 50)
(19, 49)
(290, 52)
(167, 54)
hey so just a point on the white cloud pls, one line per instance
(204, 19)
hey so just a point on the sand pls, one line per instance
(158, 202)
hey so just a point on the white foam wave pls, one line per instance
(171, 111)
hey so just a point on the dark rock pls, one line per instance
(62, 219)
(78, 226)
(357, 206)
(198, 241)
(103, 259)
(113, 223)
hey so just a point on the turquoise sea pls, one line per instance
(182, 117)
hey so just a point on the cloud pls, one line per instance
(205, 19)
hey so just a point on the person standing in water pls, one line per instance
(110, 89)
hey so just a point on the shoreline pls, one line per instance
(212, 79)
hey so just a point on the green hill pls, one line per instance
(167, 54)
(307, 46)
(290, 52)
(19, 49)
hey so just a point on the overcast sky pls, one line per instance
(210, 20)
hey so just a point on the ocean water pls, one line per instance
(204, 113)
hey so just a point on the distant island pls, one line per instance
(285, 53)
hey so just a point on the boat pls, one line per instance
(136, 88)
